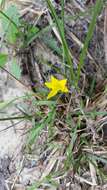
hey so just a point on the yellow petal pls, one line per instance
(53, 79)
(56, 85)
(63, 85)
(48, 84)
(54, 82)
(63, 82)
(65, 89)
(52, 93)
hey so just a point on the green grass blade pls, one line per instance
(3, 59)
(96, 11)
(64, 43)
(34, 132)
(9, 19)
(37, 34)
(62, 14)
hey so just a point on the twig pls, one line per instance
(10, 126)
(14, 118)
(14, 77)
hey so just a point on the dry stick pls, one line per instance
(14, 77)
(15, 118)
(105, 36)
(10, 126)
(28, 88)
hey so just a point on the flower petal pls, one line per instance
(63, 86)
(56, 85)
(52, 93)
(53, 79)
(48, 84)
(63, 82)
(65, 89)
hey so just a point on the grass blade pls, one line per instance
(64, 43)
(96, 12)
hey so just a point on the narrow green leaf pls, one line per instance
(32, 32)
(34, 132)
(64, 42)
(96, 11)
(16, 70)
(36, 34)
(4, 104)
(10, 23)
(3, 59)
(44, 102)
(2, 3)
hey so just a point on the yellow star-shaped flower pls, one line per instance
(56, 85)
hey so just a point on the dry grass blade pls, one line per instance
(51, 164)
(83, 180)
(93, 173)
(54, 28)
(80, 44)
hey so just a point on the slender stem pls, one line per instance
(13, 77)
(14, 118)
